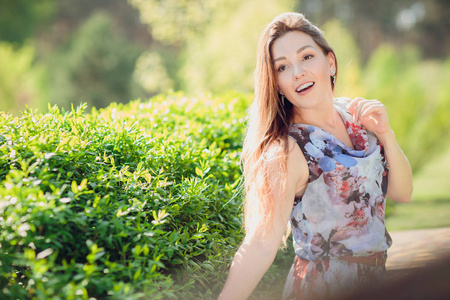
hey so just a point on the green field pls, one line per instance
(430, 206)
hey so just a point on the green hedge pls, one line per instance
(133, 201)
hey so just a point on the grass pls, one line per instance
(420, 214)
(430, 206)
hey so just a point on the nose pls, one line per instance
(298, 71)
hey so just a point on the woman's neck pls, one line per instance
(324, 116)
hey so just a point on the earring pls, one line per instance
(283, 97)
(281, 111)
(333, 76)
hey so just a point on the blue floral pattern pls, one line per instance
(341, 212)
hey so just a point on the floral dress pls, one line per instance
(341, 212)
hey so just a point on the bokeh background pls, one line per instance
(97, 52)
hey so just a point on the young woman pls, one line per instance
(319, 164)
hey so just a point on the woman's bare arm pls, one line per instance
(400, 185)
(256, 253)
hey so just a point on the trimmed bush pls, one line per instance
(135, 201)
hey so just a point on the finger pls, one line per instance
(365, 106)
(374, 111)
(372, 108)
(353, 103)
(356, 108)
(359, 107)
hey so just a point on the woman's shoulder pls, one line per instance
(289, 149)
(295, 158)
(297, 166)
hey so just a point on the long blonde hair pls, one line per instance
(266, 145)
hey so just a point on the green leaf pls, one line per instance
(74, 187)
(208, 266)
(82, 184)
(177, 261)
(137, 249)
(137, 274)
(173, 237)
(197, 236)
(198, 172)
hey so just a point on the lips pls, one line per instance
(303, 88)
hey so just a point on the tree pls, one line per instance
(372, 23)
(213, 42)
(21, 19)
(21, 78)
(96, 66)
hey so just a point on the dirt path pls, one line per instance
(413, 249)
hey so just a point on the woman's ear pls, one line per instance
(331, 61)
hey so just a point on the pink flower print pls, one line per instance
(358, 136)
(358, 217)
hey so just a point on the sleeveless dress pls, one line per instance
(341, 212)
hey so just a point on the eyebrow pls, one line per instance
(298, 51)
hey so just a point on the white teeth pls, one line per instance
(304, 86)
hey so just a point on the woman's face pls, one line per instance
(302, 70)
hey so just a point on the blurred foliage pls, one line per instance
(175, 22)
(200, 45)
(95, 67)
(372, 23)
(151, 73)
(217, 52)
(349, 77)
(48, 28)
(22, 80)
(20, 19)
(224, 55)
(133, 201)
(417, 96)
(415, 91)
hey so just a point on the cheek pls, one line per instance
(283, 79)
(318, 67)
(325, 70)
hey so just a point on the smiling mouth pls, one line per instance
(304, 87)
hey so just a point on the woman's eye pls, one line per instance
(309, 56)
(282, 68)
